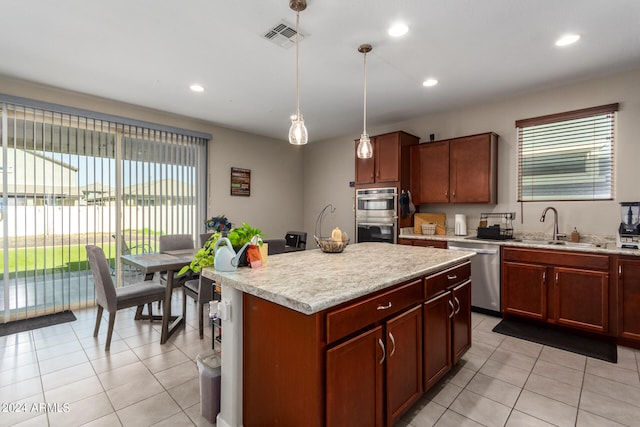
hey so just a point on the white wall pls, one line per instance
(499, 116)
(275, 204)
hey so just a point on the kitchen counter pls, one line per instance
(310, 281)
(300, 286)
(600, 245)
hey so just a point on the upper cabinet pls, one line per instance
(388, 163)
(459, 170)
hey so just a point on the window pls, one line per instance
(70, 178)
(567, 156)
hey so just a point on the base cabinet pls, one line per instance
(359, 369)
(629, 300)
(566, 288)
(447, 331)
(427, 243)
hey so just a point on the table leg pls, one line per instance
(169, 323)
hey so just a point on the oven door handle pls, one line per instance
(376, 223)
(389, 197)
(478, 251)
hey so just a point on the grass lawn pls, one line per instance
(68, 258)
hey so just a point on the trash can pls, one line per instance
(209, 368)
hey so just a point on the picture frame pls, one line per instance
(240, 182)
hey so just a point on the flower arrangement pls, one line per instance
(218, 223)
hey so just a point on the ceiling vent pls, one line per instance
(283, 34)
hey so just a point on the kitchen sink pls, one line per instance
(560, 243)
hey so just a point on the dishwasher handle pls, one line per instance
(478, 251)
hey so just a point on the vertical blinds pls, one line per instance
(69, 180)
(567, 156)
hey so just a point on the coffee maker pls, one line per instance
(629, 230)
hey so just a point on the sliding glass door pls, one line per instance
(69, 180)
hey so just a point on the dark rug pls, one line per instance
(35, 323)
(553, 337)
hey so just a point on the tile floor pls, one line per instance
(501, 381)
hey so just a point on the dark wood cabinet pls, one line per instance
(355, 381)
(629, 300)
(403, 364)
(446, 323)
(566, 288)
(390, 160)
(459, 170)
(440, 244)
(430, 172)
(524, 290)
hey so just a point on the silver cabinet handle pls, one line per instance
(393, 341)
(384, 352)
(452, 277)
(620, 271)
(556, 278)
(457, 302)
(544, 277)
(453, 310)
(384, 307)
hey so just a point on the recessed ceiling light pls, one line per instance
(567, 39)
(398, 30)
(429, 82)
(196, 88)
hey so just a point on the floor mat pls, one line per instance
(35, 323)
(546, 335)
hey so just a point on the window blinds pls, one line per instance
(567, 156)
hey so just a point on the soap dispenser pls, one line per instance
(575, 236)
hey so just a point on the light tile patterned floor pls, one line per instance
(501, 381)
(504, 381)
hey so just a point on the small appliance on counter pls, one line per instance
(460, 225)
(496, 225)
(629, 231)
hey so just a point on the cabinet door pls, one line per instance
(472, 177)
(524, 291)
(364, 168)
(387, 157)
(354, 389)
(436, 326)
(629, 298)
(581, 299)
(404, 362)
(430, 173)
(461, 333)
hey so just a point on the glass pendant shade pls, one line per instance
(365, 150)
(298, 131)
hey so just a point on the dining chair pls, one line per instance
(200, 289)
(114, 299)
(173, 242)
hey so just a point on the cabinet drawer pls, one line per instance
(346, 320)
(441, 281)
(557, 258)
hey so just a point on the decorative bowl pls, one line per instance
(327, 244)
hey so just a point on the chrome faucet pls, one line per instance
(555, 220)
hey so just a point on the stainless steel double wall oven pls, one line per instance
(377, 215)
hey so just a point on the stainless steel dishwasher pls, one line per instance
(485, 275)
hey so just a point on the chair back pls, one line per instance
(172, 242)
(296, 239)
(123, 245)
(105, 289)
(204, 237)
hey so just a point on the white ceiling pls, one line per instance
(148, 52)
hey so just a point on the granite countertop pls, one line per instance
(311, 281)
(594, 244)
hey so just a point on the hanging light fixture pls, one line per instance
(365, 151)
(298, 132)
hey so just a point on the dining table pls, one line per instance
(170, 261)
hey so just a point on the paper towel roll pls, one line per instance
(460, 225)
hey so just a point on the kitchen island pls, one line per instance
(292, 328)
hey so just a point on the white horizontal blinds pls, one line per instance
(62, 191)
(567, 156)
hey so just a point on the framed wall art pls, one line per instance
(240, 182)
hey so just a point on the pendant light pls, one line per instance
(365, 151)
(298, 132)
